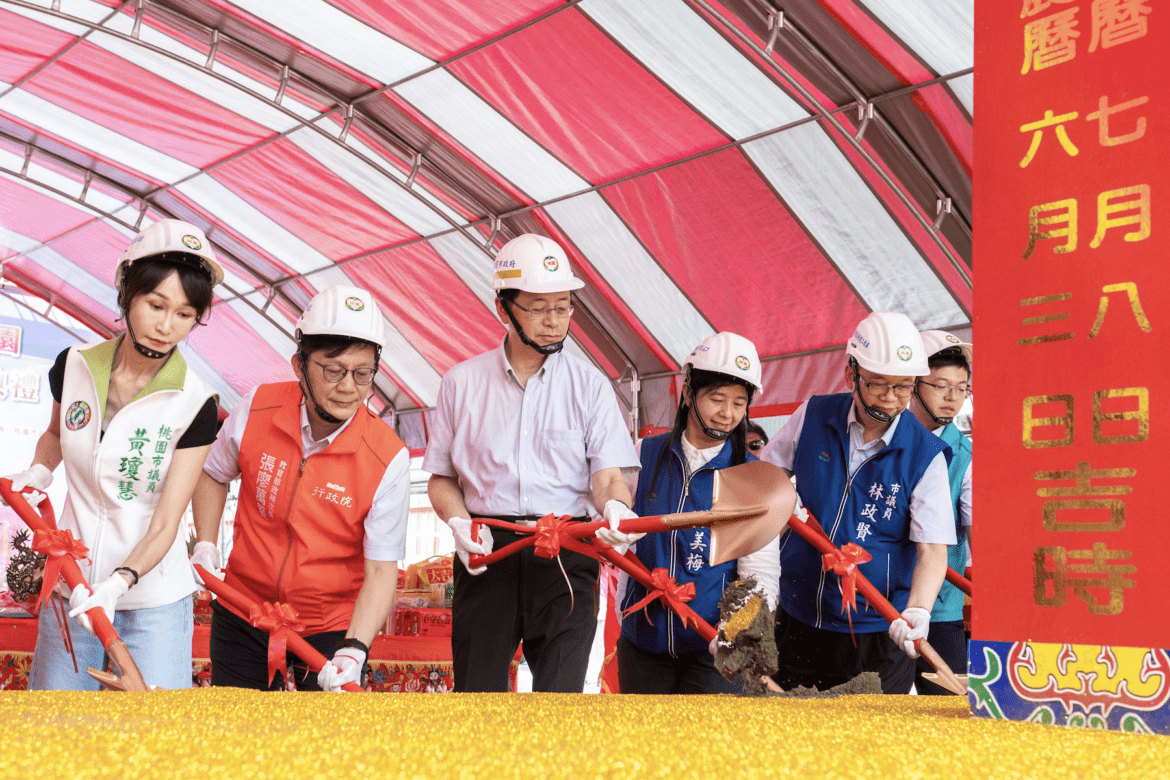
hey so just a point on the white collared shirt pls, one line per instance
(526, 449)
(964, 488)
(385, 525)
(932, 517)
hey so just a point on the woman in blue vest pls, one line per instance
(656, 653)
(133, 424)
(937, 399)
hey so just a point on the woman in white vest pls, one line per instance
(132, 424)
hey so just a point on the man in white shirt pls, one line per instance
(873, 477)
(517, 433)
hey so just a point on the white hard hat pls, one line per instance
(342, 310)
(728, 353)
(534, 264)
(173, 241)
(886, 342)
(936, 341)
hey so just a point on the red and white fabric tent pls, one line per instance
(709, 166)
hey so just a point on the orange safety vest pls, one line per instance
(299, 526)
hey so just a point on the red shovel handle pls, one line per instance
(103, 629)
(959, 581)
(244, 603)
(576, 531)
(628, 563)
(475, 561)
(631, 565)
(812, 532)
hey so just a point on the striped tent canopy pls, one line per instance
(708, 164)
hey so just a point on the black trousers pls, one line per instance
(524, 597)
(949, 639)
(239, 654)
(813, 657)
(640, 671)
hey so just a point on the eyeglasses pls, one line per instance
(879, 389)
(946, 390)
(335, 374)
(757, 444)
(561, 312)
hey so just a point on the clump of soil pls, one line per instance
(745, 648)
(866, 682)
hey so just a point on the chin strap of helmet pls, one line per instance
(711, 433)
(146, 352)
(550, 349)
(873, 412)
(948, 352)
(307, 391)
(938, 420)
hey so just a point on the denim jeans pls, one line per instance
(158, 638)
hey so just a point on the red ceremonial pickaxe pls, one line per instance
(130, 678)
(812, 532)
(244, 604)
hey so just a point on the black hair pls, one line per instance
(699, 380)
(330, 344)
(951, 356)
(757, 430)
(144, 276)
(509, 294)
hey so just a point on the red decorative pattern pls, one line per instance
(14, 667)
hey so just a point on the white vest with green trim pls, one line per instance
(115, 482)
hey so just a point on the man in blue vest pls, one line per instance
(937, 399)
(873, 477)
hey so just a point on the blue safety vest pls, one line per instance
(870, 509)
(683, 552)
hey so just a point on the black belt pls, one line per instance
(528, 520)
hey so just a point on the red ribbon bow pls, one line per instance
(844, 563)
(548, 535)
(56, 546)
(670, 592)
(278, 620)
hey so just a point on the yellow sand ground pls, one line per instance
(223, 734)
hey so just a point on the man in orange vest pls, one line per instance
(324, 498)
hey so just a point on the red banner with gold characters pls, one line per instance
(1072, 304)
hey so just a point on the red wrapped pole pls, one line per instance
(45, 522)
(959, 581)
(245, 604)
(812, 532)
(558, 532)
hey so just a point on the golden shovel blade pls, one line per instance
(750, 506)
(126, 675)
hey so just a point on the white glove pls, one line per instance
(346, 667)
(206, 554)
(914, 624)
(105, 596)
(35, 476)
(465, 546)
(614, 512)
(713, 645)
